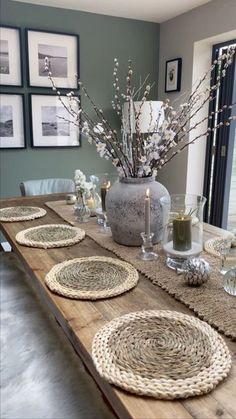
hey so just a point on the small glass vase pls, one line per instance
(183, 228)
(81, 209)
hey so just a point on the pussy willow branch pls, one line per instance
(108, 129)
(169, 144)
(225, 59)
(90, 122)
(206, 133)
(106, 124)
(93, 135)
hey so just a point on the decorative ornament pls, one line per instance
(196, 271)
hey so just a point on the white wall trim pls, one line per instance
(202, 53)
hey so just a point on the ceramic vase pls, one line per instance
(125, 206)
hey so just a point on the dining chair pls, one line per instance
(46, 186)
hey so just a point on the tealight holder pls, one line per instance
(183, 228)
(147, 252)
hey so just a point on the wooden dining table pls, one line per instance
(80, 320)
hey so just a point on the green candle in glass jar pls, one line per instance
(182, 233)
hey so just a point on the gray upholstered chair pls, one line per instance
(46, 186)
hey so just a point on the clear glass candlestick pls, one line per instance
(105, 226)
(147, 252)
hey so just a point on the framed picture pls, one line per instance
(62, 53)
(52, 124)
(173, 75)
(10, 56)
(12, 131)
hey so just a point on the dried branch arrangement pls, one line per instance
(167, 136)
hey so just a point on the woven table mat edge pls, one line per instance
(50, 280)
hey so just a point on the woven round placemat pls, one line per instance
(50, 235)
(92, 278)
(215, 244)
(21, 213)
(163, 354)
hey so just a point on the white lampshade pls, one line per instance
(151, 112)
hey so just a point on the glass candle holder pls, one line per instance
(230, 281)
(227, 255)
(103, 182)
(147, 252)
(183, 227)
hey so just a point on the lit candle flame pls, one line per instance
(147, 193)
(108, 185)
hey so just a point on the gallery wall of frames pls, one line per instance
(27, 88)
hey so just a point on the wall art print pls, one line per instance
(173, 75)
(62, 53)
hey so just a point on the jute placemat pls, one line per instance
(21, 213)
(92, 278)
(50, 235)
(210, 302)
(163, 354)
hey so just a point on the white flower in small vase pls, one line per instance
(83, 192)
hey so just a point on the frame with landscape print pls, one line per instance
(10, 56)
(62, 51)
(52, 124)
(12, 127)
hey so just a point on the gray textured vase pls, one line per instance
(125, 209)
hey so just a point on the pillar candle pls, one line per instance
(147, 213)
(182, 233)
(90, 203)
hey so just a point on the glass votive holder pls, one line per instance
(183, 228)
(228, 255)
(147, 252)
(230, 281)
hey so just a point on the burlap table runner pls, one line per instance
(209, 302)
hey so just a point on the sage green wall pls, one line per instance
(101, 39)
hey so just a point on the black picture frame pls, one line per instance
(40, 131)
(173, 72)
(64, 67)
(18, 135)
(15, 51)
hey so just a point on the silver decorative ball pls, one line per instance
(196, 271)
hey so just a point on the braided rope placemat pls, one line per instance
(21, 213)
(92, 278)
(163, 354)
(209, 302)
(50, 235)
(216, 244)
